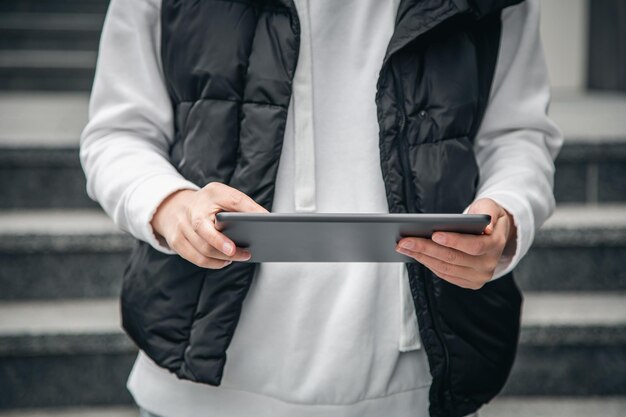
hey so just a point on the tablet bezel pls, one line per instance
(272, 246)
(455, 219)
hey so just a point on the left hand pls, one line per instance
(468, 261)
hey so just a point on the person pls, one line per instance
(320, 106)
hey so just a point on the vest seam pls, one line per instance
(434, 142)
(277, 9)
(232, 100)
(425, 27)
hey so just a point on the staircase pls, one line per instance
(62, 352)
(49, 44)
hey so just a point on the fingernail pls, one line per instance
(407, 244)
(227, 248)
(246, 255)
(439, 238)
(228, 263)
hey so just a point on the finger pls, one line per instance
(475, 245)
(432, 249)
(444, 267)
(184, 248)
(206, 249)
(460, 282)
(231, 199)
(487, 206)
(205, 228)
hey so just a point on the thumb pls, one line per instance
(487, 206)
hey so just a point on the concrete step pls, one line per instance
(50, 70)
(39, 177)
(55, 6)
(80, 253)
(592, 164)
(591, 170)
(40, 131)
(499, 407)
(555, 407)
(120, 411)
(571, 345)
(46, 348)
(63, 354)
(580, 248)
(26, 167)
(55, 31)
(60, 254)
(42, 119)
(39, 165)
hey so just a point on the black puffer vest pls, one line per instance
(229, 66)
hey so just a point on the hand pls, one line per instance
(186, 220)
(468, 261)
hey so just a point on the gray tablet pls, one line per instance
(326, 237)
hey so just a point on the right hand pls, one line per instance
(186, 221)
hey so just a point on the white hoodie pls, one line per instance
(314, 339)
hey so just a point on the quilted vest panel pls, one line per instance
(228, 67)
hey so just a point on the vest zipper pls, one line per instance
(410, 197)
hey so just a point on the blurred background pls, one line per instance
(62, 352)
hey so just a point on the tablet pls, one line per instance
(337, 237)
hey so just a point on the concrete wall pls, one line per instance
(564, 32)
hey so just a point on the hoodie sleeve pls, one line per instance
(124, 148)
(517, 142)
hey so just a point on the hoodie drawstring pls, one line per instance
(304, 147)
